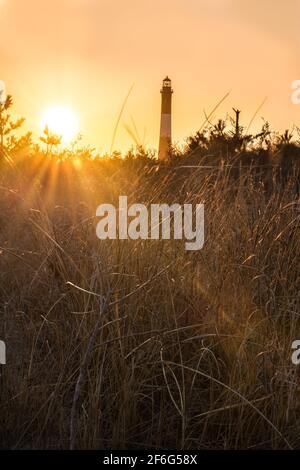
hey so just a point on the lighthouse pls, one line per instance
(165, 138)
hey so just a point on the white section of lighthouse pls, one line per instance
(165, 138)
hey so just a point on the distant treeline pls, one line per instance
(225, 144)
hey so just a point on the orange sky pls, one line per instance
(87, 53)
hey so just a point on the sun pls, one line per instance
(61, 120)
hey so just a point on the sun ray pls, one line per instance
(62, 121)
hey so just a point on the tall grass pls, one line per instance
(140, 344)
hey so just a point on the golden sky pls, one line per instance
(86, 54)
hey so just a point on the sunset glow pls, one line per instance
(62, 121)
(208, 48)
(149, 235)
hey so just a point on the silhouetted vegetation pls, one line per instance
(191, 349)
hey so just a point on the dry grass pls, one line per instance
(168, 348)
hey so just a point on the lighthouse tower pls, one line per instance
(165, 138)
